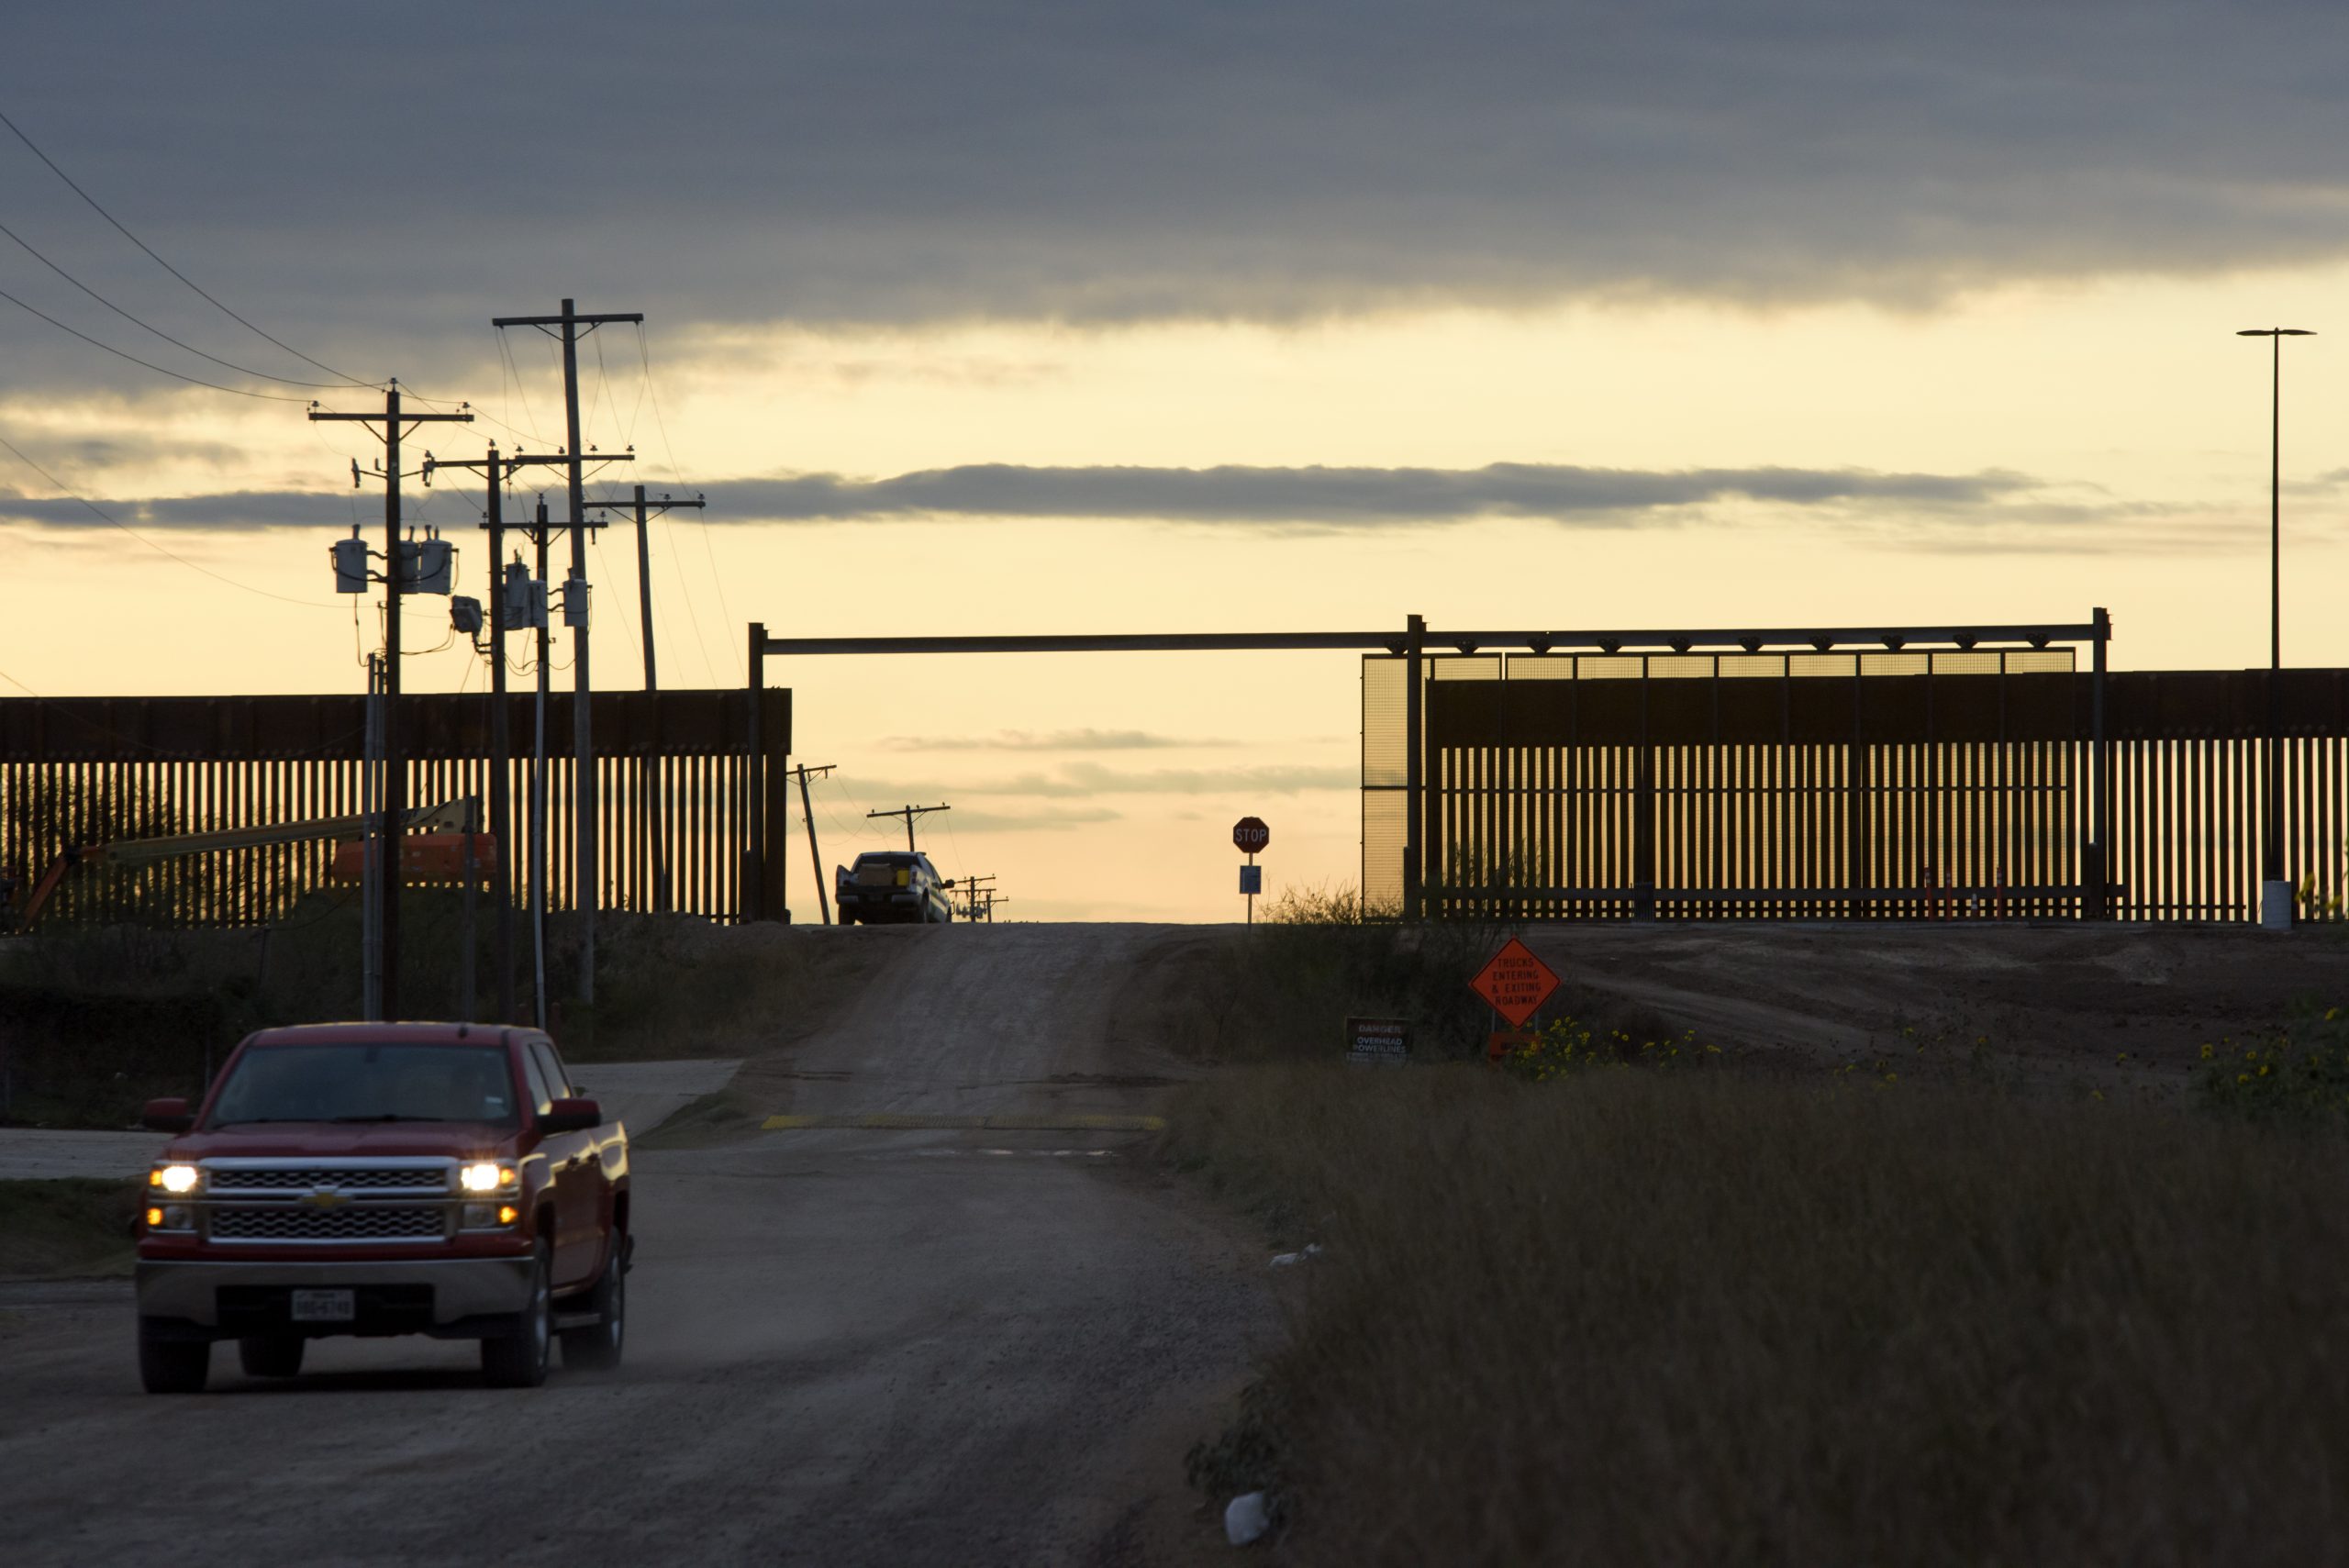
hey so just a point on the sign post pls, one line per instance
(1250, 835)
(1516, 984)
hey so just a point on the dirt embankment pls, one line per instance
(2053, 1003)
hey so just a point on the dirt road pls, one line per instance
(847, 1347)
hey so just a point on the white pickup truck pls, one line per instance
(892, 887)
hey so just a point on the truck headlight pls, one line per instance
(490, 1215)
(174, 1178)
(486, 1176)
(169, 1216)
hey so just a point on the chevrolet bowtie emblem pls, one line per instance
(325, 1197)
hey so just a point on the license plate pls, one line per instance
(324, 1307)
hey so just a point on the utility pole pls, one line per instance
(815, 856)
(651, 774)
(370, 874)
(584, 782)
(909, 813)
(2276, 893)
(972, 895)
(539, 780)
(501, 807)
(388, 428)
(498, 470)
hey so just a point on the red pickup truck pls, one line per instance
(380, 1178)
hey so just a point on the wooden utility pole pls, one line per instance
(909, 813)
(498, 470)
(387, 427)
(501, 809)
(973, 892)
(657, 835)
(538, 1011)
(501, 748)
(583, 780)
(815, 856)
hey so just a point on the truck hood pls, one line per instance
(332, 1139)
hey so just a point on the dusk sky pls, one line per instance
(1003, 319)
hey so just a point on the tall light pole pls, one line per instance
(2276, 895)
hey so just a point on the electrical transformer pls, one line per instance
(517, 590)
(350, 563)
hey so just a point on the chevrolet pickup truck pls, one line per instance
(380, 1178)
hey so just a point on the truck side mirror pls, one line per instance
(167, 1116)
(571, 1115)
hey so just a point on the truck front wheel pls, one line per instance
(172, 1366)
(518, 1359)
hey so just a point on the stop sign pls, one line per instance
(1251, 834)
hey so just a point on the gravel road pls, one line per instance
(846, 1347)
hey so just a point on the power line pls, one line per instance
(159, 260)
(27, 247)
(134, 359)
(98, 512)
(644, 351)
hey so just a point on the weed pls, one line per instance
(2299, 1074)
(71, 1226)
(1568, 1045)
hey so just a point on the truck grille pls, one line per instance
(350, 1222)
(431, 1178)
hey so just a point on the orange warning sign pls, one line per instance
(1516, 982)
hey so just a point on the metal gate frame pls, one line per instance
(1413, 645)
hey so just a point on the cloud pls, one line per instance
(932, 159)
(1991, 511)
(230, 511)
(1337, 497)
(1054, 819)
(1084, 781)
(1313, 496)
(1049, 740)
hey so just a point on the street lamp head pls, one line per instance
(2275, 332)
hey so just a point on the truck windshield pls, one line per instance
(404, 1082)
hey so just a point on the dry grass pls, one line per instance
(1632, 1318)
(74, 1226)
(96, 1020)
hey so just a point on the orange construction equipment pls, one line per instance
(425, 857)
(435, 819)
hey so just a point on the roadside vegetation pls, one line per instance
(1281, 990)
(97, 1019)
(71, 1226)
(1588, 1310)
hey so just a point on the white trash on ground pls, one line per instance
(1283, 1259)
(1246, 1517)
